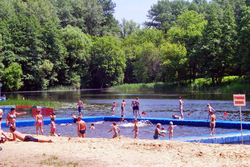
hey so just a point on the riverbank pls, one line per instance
(229, 84)
(121, 151)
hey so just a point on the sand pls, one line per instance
(94, 152)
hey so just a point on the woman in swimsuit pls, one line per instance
(136, 129)
(158, 132)
(116, 130)
(1, 117)
(39, 121)
(11, 117)
(53, 125)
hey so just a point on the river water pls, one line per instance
(153, 103)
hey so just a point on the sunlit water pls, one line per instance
(154, 104)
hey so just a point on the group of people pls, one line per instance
(135, 107)
(11, 121)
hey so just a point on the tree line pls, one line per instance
(45, 43)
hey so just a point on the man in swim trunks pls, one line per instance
(212, 122)
(1, 117)
(81, 127)
(27, 138)
(80, 107)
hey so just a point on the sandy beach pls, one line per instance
(94, 152)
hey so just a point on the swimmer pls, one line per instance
(136, 129)
(133, 107)
(212, 123)
(171, 130)
(181, 107)
(75, 117)
(1, 117)
(176, 117)
(92, 126)
(123, 108)
(116, 130)
(11, 117)
(137, 103)
(210, 109)
(113, 108)
(39, 121)
(27, 138)
(81, 127)
(80, 106)
(158, 132)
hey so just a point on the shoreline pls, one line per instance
(121, 151)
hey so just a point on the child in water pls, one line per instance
(92, 126)
(136, 129)
(116, 130)
(171, 130)
(113, 108)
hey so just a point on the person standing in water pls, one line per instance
(158, 132)
(80, 106)
(133, 107)
(116, 130)
(210, 109)
(113, 108)
(181, 107)
(81, 127)
(123, 108)
(212, 122)
(137, 103)
(39, 121)
(136, 129)
(1, 117)
(171, 130)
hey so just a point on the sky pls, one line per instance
(135, 10)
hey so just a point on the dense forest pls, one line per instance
(47, 43)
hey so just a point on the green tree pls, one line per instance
(163, 15)
(12, 77)
(128, 27)
(242, 57)
(174, 62)
(107, 62)
(147, 64)
(211, 49)
(76, 57)
(188, 31)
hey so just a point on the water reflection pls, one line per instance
(154, 103)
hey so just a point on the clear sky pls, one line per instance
(135, 10)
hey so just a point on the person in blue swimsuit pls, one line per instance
(158, 132)
(80, 106)
(116, 130)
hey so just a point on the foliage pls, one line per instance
(11, 77)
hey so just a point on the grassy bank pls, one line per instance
(49, 104)
(230, 84)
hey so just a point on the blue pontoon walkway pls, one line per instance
(219, 138)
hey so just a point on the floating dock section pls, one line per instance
(219, 138)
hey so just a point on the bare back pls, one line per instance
(81, 125)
